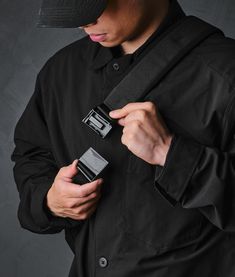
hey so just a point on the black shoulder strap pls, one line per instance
(175, 44)
(169, 50)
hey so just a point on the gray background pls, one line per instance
(23, 50)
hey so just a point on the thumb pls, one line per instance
(70, 171)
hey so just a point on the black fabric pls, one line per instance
(171, 221)
(189, 32)
(69, 13)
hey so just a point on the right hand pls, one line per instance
(66, 199)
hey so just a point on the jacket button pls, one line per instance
(116, 66)
(103, 262)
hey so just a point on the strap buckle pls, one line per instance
(99, 120)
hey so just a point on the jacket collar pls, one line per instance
(102, 55)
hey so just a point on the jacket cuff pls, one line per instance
(172, 179)
(39, 210)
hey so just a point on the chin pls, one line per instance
(109, 43)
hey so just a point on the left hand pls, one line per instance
(145, 133)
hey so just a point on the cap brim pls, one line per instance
(70, 16)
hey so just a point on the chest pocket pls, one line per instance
(149, 219)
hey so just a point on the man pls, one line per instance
(165, 206)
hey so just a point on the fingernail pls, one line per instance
(112, 113)
(100, 181)
(75, 162)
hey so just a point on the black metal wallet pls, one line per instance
(90, 166)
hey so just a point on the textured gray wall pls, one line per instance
(23, 50)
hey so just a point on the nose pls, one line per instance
(88, 25)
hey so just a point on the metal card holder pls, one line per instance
(91, 164)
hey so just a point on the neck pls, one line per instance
(130, 46)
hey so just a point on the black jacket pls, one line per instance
(171, 221)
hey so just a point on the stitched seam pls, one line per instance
(192, 172)
(222, 75)
(170, 243)
(172, 146)
(226, 78)
(228, 109)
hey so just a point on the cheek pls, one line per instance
(122, 28)
(115, 32)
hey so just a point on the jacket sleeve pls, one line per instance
(35, 169)
(197, 176)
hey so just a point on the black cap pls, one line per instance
(70, 13)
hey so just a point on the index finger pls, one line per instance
(130, 107)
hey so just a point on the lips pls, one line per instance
(97, 37)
